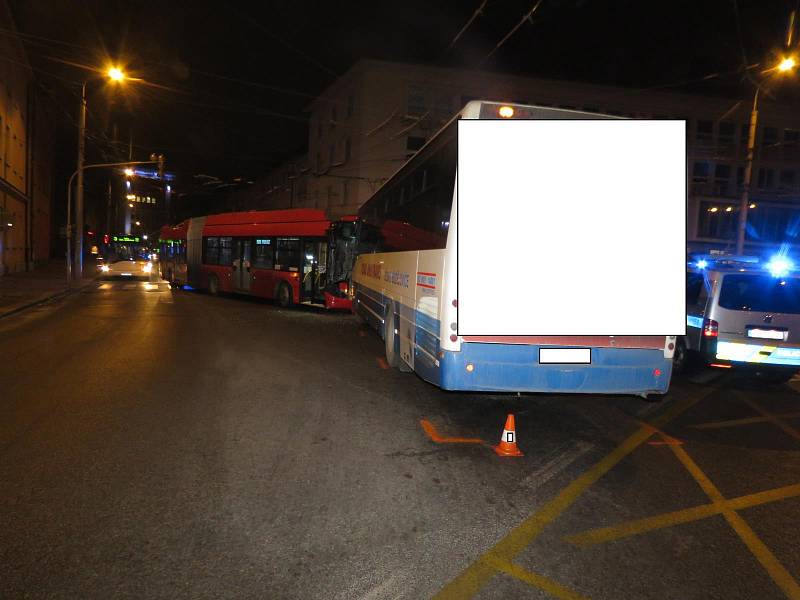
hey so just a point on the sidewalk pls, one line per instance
(46, 281)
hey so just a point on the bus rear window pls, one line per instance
(760, 293)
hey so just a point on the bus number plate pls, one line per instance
(565, 356)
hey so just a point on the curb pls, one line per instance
(43, 299)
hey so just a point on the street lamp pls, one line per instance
(786, 65)
(115, 74)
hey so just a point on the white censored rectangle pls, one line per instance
(571, 227)
(571, 356)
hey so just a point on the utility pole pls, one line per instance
(744, 204)
(79, 191)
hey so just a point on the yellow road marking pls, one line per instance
(678, 517)
(747, 421)
(763, 554)
(773, 418)
(548, 585)
(475, 577)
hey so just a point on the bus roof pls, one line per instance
(253, 217)
(287, 222)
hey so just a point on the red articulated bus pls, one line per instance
(277, 254)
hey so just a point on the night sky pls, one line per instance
(227, 83)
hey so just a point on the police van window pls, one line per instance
(694, 285)
(760, 293)
(263, 256)
(211, 251)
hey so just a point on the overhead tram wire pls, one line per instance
(475, 15)
(526, 17)
(286, 44)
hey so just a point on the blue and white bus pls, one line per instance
(404, 284)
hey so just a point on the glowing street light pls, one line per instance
(787, 64)
(115, 74)
(138, 222)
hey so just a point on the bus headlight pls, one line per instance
(147, 267)
(104, 268)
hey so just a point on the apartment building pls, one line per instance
(373, 118)
(26, 159)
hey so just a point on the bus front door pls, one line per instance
(241, 265)
(315, 256)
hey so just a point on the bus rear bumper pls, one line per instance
(516, 368)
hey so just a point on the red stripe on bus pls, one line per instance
(425, 285)
(428, 274)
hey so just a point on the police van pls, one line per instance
(744, 313)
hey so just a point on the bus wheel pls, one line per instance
(680, 359)
(213, 285)
(389, 336)
(284, 295)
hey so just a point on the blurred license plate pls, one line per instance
(767, 334)
(565, 356)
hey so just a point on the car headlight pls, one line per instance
(147, 267)
(104, 268)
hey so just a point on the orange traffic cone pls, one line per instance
(508, 442)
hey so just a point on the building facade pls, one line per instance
(372, 119)
(26, 159)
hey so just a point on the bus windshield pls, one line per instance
(760, 293)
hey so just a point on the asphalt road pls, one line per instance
(170, 444)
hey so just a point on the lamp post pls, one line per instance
(69, 200)
(113, 74)
(785, 66)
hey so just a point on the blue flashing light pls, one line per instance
(779, 266)
(702, 263)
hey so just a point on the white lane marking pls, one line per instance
(388, 588)
(558, 463)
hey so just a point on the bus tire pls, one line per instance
(681, 359)
(390, 338)
(284, 296)
(213, 285)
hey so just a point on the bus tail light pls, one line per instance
(710, 328)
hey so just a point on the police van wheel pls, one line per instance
(213, 285)
(392, 358)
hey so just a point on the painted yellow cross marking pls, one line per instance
(766, 417)
(719, 506)
(678, 517)
(477, 575)
(553, 588)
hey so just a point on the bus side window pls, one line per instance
(226, 251)
(264, 256)
(211, 251)
(287, 253)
